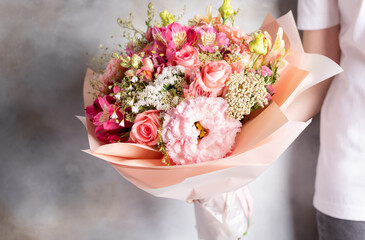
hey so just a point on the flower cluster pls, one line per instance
(185, 89)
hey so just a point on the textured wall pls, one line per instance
(49, 189)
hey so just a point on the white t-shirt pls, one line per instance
(340, 181)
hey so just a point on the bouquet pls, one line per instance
(195, 112)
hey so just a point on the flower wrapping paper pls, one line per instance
(261, 141)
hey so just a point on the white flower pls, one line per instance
(135, 109)
(114, 115)
(117, 96)
(134, 79)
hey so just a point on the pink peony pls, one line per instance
(181, 136)
(145, 128)
(214, 76)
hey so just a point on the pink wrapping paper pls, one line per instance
(262, 139)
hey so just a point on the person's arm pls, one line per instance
(325, 42)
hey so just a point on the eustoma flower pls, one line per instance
(198, 130)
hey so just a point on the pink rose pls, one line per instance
(145, 128)
(187, 57)
(214, 76)
(194, 89)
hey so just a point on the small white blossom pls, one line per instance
(117, 96)
(135, 109)
(156, 95)
(134, 79)
(114, 115)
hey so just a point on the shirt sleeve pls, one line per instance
(317, 14)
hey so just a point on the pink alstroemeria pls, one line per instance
(208, 38)
(146, 71)
(108, 119)
(129, 49)
(278, 51)
(169, 39)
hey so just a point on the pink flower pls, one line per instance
(169, 39)
(265, 71)
(148, 35)
(214, 76)
(113, 71)
(278, 51)
(109, 121)
(271, 89)
(129, 49)
(234, 34)
(188, 57)
(180, 134)
(146, 71)
(208, 38)
(145, 128)
(237, 67)
(194, 89)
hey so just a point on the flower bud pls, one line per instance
(167, 18)
(259, 44)
(136, 61)
(226, 10)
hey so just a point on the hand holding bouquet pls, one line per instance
(194, 111)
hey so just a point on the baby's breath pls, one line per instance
(164, 93)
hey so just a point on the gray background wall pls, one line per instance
(49, 189)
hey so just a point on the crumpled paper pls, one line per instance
(225, 216)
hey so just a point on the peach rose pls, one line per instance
(214, 76)
(187, 57)
(145, 128)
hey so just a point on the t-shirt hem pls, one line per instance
(316, 22)
(340, 211)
